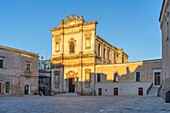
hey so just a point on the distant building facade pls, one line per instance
(44, 77)
(18, 72)
(165, 28)
(85, 63)
(50, 77)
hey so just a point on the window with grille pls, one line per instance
(71, 47)
(7, 87)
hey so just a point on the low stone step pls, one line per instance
(153, 91)
(67, 94)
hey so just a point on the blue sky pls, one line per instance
(129, 24)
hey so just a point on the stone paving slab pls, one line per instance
(83, 104)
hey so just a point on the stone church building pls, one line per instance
(85, 63)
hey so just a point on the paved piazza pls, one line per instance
(83, 104)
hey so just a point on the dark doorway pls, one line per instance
(100, 91)
(71, 85)
(115, 91)
(157, 78)
(0, 88)
(26, 89)
(140, 91)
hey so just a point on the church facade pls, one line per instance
(85, 63)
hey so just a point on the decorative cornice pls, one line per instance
(74, 57)
(164, 12)
(79, 64)
(18, 51)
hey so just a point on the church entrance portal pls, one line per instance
(71, 81)
(71, 85)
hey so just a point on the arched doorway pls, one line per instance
(26, 89)
(71, 81)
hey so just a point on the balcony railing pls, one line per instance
(149, 88)
(28, 73)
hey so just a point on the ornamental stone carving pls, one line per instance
(57, 78)
(72, 74)
(87, 85)
(57, 43)
(87, 75)
(88, 35)
(72, 21)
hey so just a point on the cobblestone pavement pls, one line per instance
(83, 104)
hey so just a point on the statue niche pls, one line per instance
(87, 35)
(87, 75)
(57, 78)
(57, 44)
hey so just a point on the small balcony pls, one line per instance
(28, 73)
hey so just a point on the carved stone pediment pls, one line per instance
(87, 33)
(71, 74)
(72, 21)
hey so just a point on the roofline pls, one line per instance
(77, 25)
(44, 60)
(132, 62)
(163, 3)
(106, 42)
(151, 60)
(125, 54)
(18, 51)
(112, 45)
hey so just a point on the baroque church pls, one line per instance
(84, 63)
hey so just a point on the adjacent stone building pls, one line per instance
(87, 64)
(18, 72)
(165, 28)
(131, 78)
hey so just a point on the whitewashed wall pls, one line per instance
(123, 88)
